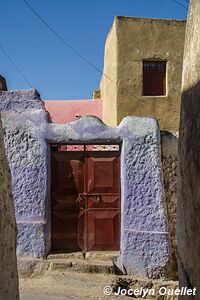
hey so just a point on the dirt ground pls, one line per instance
(67, 286)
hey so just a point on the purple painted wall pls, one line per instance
(144, 233)
(24, 117)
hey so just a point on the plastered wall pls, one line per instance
(188, 222)
(169, 145)
(130, 41)
(144, 241)
(8, 261)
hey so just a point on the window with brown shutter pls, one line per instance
(154, 78)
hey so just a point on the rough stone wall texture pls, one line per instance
(8, 261)
(188, 209)
(135, 40)
(144, 235)
(27, 134)
(169, 144)
(23, 117)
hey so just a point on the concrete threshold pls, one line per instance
(92, 262)
(94, 255)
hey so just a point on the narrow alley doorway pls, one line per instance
(85, 197)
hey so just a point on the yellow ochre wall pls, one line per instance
(107, 87)
(129, 42)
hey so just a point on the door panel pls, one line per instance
(103, 230)
(81, 229)
(102, 172)
(85, 198)
(67, 183)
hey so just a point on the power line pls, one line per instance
(159, 6)
(22, 75)
(15, 66)
(187, 2)
(180, 4)
(25, 79)
(68, 45)
(62, 40)
(80, 55)
(73, 49)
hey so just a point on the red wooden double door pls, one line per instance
(85, 198)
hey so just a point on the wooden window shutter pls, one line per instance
(154, 78)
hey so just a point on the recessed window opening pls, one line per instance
(154, 78)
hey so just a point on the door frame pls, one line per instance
(117, 142)
(144, 227)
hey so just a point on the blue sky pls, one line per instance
(53, 69)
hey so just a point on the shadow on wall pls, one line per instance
(169, 144)
(8, 261)
(188, 209)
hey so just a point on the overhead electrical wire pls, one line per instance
(159, 6)
(80, 55)
(64, 41)
(15, 66)
(73, 49)
(179, 3)
(22, 75)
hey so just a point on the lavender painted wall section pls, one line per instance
(144, 233)
(23, 117)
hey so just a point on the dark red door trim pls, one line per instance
(95, 197)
